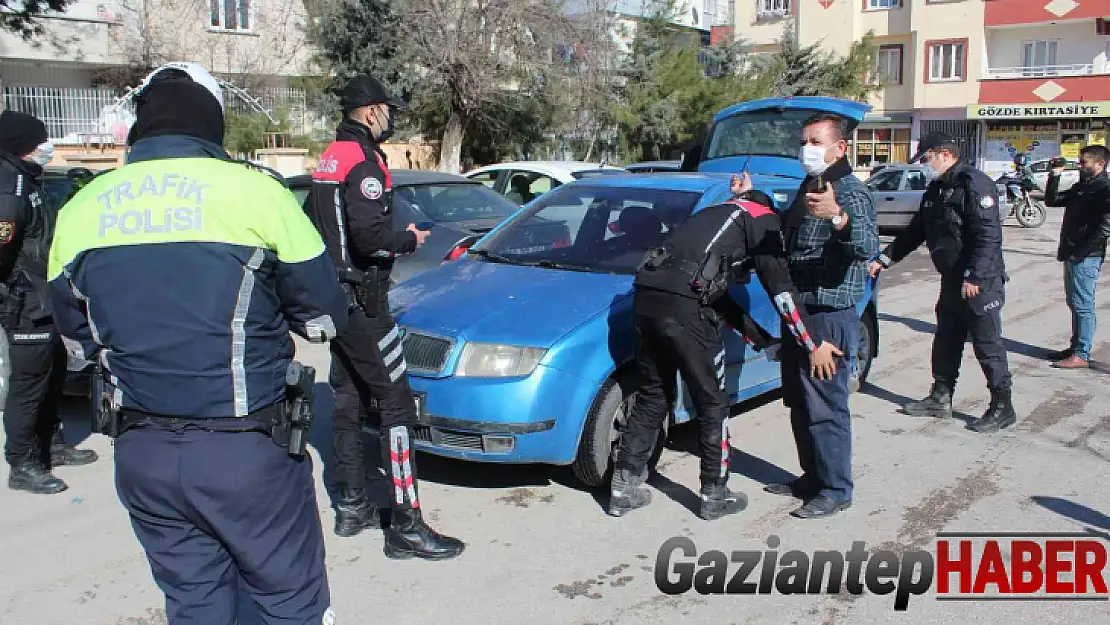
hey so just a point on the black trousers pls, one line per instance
(678, 335)
(35, 387)
(368, 361)
(979, 318)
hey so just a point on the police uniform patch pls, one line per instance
(7, 231)
(986, 201)
(371, 188)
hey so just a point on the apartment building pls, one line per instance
(1002, 76)
(75, 77)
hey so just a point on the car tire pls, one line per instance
(597, 449)
(865, 352)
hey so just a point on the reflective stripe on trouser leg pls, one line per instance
(400, 466)
(393, 354)
(724, 449)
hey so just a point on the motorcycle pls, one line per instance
(1029, 211)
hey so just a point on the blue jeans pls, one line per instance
(819, 412)
(1080, 278)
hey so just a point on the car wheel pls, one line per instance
(601, 434)
(868, 331)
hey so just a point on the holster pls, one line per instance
(107, 417)
(292, 426)
(362, 288)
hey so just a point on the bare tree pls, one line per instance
(471, 52)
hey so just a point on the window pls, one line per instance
(230, 15)
(883, 4)
(772, 8)
(947, 61)
(450, 203)
(1038, 58)
(488, 178)
(888, 65)
(526, 186)
(916, 180)
(886, 180)
(874, 146)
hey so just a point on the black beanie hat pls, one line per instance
(178, 107)
(20, 133)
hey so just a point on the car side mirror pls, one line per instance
(690, 159)
(79, 174)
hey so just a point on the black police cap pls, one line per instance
(932, 141)
(365, 90)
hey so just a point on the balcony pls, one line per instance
(1015, 12)
(1012, 73)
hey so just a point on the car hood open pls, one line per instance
(478, 301)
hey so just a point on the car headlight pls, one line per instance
(489, 360)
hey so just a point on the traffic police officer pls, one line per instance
(681, 295)
(182, 274)
(351, 205)
(35, 361)
(959, 221)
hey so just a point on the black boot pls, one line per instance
(408, 536)
(30, 475)
(1000, 414)
(65, 455)
(717, 501)
(354, 513)
(626, 493)
(937, 404)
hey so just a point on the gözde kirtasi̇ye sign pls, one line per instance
(1042, 111)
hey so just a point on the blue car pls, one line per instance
(522, 350)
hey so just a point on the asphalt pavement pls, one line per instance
(542, 551)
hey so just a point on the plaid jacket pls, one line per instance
(829, 268)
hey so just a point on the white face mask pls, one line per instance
(813, 159)
(43, 154)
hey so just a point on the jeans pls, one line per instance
(820, 415)
(1080, 278)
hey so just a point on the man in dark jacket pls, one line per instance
(36, 355)
(681, 296)
(351, 204)
(960, 224)
(1082, 247)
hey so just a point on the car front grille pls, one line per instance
(426, 353)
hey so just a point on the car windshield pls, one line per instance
(595, 229)
(763, 133)
(593, 173)
(444, 203)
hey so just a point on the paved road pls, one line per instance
(541, 550)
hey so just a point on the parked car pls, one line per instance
(528, 356)
(897, 190)
(523, 181)
(1041, 169)
(461, 211)
(650, 167)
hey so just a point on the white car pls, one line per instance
(1067, 179)
(524, 181)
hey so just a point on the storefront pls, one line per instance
(880, 139)
(1039, 131)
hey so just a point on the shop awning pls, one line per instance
(890, 118)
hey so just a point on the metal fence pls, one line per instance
(75, 115)
(68, 112)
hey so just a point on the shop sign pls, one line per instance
(1034, 111)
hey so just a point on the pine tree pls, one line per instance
(22, 17)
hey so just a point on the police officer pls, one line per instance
(351, 205)
(36, 358)
(959, 222)
(681, 296)
(182, 274)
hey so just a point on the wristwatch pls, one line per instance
(838, 220)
